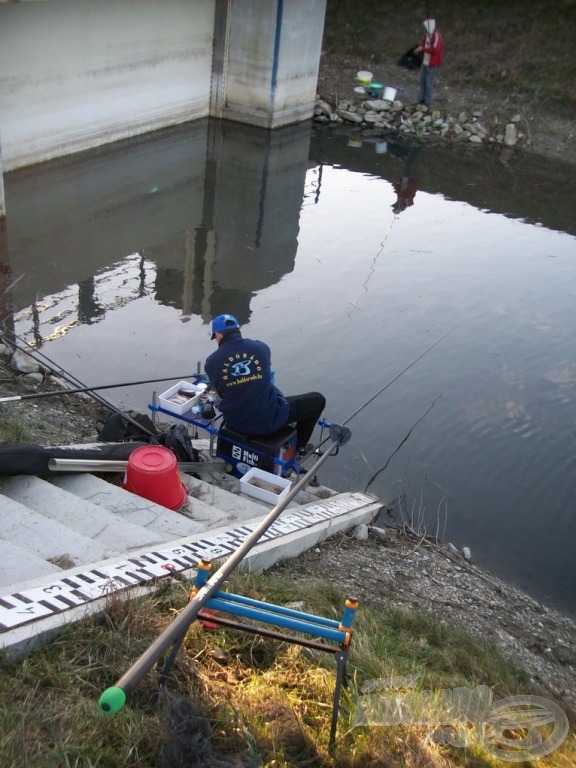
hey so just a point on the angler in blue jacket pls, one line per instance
(240, 372)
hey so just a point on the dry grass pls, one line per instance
(239, 699)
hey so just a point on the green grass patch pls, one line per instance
(12, 430)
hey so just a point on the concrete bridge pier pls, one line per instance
(76, 75)
(266, 60)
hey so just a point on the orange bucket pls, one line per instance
(152, 473)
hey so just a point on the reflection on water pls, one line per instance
(407, 186)
(349, 262)
(200, 229)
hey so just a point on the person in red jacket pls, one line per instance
(432, 49)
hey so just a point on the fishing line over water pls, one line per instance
(372, 270)
(400, 444)
(382, 389)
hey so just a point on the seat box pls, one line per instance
(245, 451)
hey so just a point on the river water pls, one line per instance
(114, 261)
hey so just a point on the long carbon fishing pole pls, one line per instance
(77, 390)
(59, 371)
(114, 698)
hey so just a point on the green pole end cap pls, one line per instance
(112, 700)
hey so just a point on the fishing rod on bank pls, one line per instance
(58, 370)
(34, 395)
(113, 699)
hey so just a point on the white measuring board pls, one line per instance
(82, 585)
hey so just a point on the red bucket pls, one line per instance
(153, 474)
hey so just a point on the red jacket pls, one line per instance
(435, 49)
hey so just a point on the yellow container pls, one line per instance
(364, 78)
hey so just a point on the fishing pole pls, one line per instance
(314, 451)
(59, 371)
(113, 699)
(33, 395)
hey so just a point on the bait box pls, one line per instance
(264, 485)
(171, 401)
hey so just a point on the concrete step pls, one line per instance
(88, 519)
(132, 508)
(207, 506)
(19, 564)
(46, 539)
(226, 497)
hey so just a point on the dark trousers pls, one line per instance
(305, 410)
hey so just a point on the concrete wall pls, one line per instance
(79, 73)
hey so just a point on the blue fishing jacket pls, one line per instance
(239, 370)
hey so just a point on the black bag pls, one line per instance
(410, 59)
(178, 441)
(117, 428)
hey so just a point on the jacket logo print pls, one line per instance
(240, 369)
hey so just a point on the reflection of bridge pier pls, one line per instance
(257, 187)
(210, 226)
(248, 237)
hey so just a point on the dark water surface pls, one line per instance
(119, 257)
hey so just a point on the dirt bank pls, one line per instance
(395, 569)
(502, 59)
(549, 132)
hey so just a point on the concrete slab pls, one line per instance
(17, 563)
(231, 503)
(79, 515)
(132, 508)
